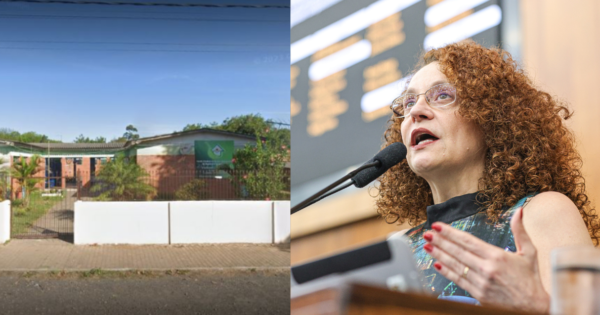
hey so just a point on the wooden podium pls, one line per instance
(359, 299)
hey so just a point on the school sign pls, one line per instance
(212, 154)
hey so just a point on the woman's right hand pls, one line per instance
(494, 276)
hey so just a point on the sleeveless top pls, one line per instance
(461, 213)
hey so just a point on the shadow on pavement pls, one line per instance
(67, 238)
(284, 247)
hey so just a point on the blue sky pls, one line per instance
(65, 76)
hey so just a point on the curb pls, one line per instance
(46, 270)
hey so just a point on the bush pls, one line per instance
(264, 178)
(17, 203)
(194, 190)
(120, 180)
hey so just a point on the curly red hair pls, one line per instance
(529, 149)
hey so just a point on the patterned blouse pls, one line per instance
(462, 213)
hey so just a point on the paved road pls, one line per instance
(225, 292)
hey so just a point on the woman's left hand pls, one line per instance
(494, 276)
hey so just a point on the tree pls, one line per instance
(245, 124)
(251, 124)
(189, 127)
(121, 180)
(4, 173)
(264, 166)
(82, 139)
(22, 171)
(131, 133)
(118, 140)
(212, 125)
(280, 137)
(9, 134)
(12, 135)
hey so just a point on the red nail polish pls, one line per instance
(436, 227)
(437, 266)
(428, 248)
(428, 237)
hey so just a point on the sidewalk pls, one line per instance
(54, 254)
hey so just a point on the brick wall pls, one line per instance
(70, 172)
(167, 164)
(168, 172)
(220, 189)
(83, 171)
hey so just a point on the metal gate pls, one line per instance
(44, 208)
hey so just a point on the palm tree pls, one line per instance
(22, 171)
(120, 180)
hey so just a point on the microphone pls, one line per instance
(388, 157)
(362, 176)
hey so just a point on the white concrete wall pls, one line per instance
(168, 149)
(4, 221)
(190, 222)
(221, 222)
(121, 222)
(281, 223)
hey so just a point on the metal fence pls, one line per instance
(187, 185)
(46, 208)
(4, 187)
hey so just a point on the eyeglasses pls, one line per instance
(437, 96)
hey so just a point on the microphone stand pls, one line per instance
(308, 201)
(330, 193)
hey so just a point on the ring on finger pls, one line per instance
(464, 275)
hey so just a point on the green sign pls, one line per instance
(211, 154)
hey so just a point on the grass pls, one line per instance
(94, 272)
(24, 217)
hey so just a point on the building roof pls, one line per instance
(69, 148)
(77, 146)
(190, 132)
(65, 148)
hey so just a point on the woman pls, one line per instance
(492, 171)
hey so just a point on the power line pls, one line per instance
(105, 10)
(40, 16)
(137, 50)
(138, 43)
(279, 123)
(158, 4)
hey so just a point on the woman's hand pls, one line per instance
(494, 276)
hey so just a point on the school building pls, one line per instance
(162, 156)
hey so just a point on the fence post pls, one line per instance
(12, 215)
(273, 223)
(5, 221)
(169, 217)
